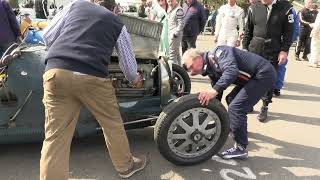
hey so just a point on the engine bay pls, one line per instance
(125, 89)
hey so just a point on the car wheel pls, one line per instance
(181, 80)
(188, 133)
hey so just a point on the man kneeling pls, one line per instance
(253, 76)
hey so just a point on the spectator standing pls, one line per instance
(282, 68)
(159, 13)
(9, 27)
(214, 20)
(229, 24)
(307, 16)
(315, 43)
(142, 9)
(207, 11)
(268, 33)
(41, 8)
(175, 24)
(195, 20)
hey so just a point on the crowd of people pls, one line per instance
(181, 24)
(251, 46)
(308, 24)
(267, 28)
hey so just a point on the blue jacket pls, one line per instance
(195, 19)
(296, 27)
(227, 65)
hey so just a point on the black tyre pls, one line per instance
(188, 133)
(181, 80)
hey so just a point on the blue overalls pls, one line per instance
(253, 77)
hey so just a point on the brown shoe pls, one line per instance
(139, 163)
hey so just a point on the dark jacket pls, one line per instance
(267, 37)
(306, 17)
(142, 11)
(9, 27)
(41, 9)
(85, 45)
(213, 19)
(195, 19)
(227, 65)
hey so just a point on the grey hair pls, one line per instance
(109, 4)
(191, 54)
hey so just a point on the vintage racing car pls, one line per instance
(185, 132)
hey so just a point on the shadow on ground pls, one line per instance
(300, 98)
(89, 160)
(302, 88)
(294, 118)
(286, 156)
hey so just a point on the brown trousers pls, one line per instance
(64, 93)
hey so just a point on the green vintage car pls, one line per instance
(185, 131)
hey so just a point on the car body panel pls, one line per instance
(22, 118)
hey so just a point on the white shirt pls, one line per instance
(228, 20)
(269, 7)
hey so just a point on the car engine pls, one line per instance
(125, 89)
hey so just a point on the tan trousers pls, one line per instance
(64, 93)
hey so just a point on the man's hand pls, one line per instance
(205, 96)
(241, 36)
(237, 43)
(137, 83)
(282, 58)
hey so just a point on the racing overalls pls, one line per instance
(229, 25)
(253, 76)
(175, 25)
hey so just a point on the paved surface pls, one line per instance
(286, 147)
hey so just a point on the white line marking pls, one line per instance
(220, 160)
(249, 174)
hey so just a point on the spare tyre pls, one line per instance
(188, 133)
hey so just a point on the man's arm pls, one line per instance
(288, 29)
(218, 22)
(248, 33)
(52, 31)
(229, 67)
(12, 19)
(241, 23)
(302, 17)
(127, 61)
